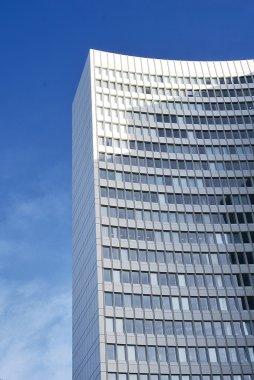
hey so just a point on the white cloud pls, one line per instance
(35, 229)
(35, 333)
(35, 309)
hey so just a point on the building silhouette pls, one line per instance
(163, 230)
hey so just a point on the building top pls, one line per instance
(174, 67)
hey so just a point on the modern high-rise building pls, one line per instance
(163, 222)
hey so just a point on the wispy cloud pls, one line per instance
(35, 228)
(35, 334)
(35, 297)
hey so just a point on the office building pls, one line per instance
(163, 224)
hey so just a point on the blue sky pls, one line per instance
(44, 44)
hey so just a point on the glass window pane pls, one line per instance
(120, 352)
(182, 354)
(110, 351)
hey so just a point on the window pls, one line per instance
(182, 354)
(202, 355)
(129, 325)
(251, 354)
(218, 328)
(223, 304)
(222, 355)
(208, 328)
(162, 354)
(147, 302)
(242, 354)
(212, 355)
(171, 354)
(120, 352)
(232, 354)
(149, 327)
(107, 275)
(158, 325)
(141, 353)
(116, 276)
(227, 328)
(111, 352)
(109, 325)
(119, 325)
(185, 303)
(192, 354)
(247, 328)
(131, 353)
(108, 299)
(168, 328)
(151, 354)
(175, 303)
(139, 326)
(111, 376)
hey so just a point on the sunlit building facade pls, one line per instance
(163, 224)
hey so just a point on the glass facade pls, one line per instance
(163, 224)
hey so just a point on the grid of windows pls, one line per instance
(164, 236)
(178, 328)
(123, 376)
(174, 196)
(180, 164)
(171, 147)
(176, 217)
(179, 257)
(177, 197)
(184, 182)
(180, 354)
(168, 91)
(171, 279)
(180, 303)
